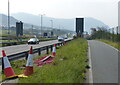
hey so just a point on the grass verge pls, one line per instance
(68, 66)
(114, 44)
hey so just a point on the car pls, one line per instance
(33, 41)
(60, 39)
(65, 37)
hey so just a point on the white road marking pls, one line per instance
(90, 64)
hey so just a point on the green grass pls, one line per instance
(114, 44)
(68, 66)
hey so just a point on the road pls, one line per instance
(10, 50)
(104, 60)
(24, 47)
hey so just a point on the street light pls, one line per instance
(51, 27)
(8, 17)
(41, 20)
(32, 30)
(113, 34)
(51, 23)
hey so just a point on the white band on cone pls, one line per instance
(30, 60)
(6, 62)
(54, 49)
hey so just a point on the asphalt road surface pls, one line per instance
(24, 47)
(104, 60)
(10, 50)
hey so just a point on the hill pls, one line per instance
(68, 24)
(4, 20)
(63, 24)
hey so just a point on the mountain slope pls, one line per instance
(58, 23)
(28, 27)
(68, 24)
(4, 20)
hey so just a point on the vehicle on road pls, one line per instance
(60, 39)
(33, 41)
(65, 37)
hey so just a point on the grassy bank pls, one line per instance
(114, 44)
(68, 66)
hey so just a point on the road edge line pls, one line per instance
(90, 64)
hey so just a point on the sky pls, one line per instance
(103, 10)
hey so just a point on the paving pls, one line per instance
(104, 60)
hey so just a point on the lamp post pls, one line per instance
(109, 36)
(51, 27)
(32, 30)
(51, 23)
(113, 34)
(41, 20)
(8, 17)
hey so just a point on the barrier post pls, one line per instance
(51, 47)
(47, 50)
(39, 51)
(26, 55)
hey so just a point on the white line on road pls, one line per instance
(90, 64)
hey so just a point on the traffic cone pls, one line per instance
(54, 51)
(8, 71)
(29, 65)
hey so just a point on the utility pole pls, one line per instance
(51, 27)
(32, 30)
(41, 20)
(113, 34)
(117, 34)
(109, 34)
(41, 23)
(117, 30)
(8, 17)
(51, 23)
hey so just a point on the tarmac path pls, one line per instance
(104, 60)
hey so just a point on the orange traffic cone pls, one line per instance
(29, 65)
(54, 50)
(8, 71)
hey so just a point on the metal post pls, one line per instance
(47, 50)
(117, 30)
(110, 34)
(61, 43)
(26, 55)
(39, 51)
(8, 17)
(117, 33)
(113, 34)
(51, 47)
(32, 30)
(2, 65)
(41, 24)
(51, 23)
